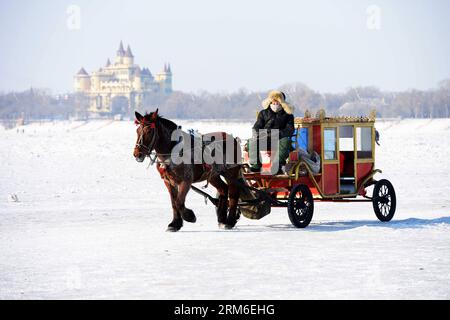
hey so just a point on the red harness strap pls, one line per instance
(145, 123)
(162, 170)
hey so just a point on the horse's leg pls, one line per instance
(177, 222)
(187, 214)
(233, 194)
(222, 207)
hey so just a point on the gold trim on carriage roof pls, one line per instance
(341, 119)
(373, 115)
(321, 114)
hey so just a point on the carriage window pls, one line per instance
(364, 142)
(329, 139)
(346, 138)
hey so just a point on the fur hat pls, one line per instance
(280, 97)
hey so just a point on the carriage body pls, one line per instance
(346, 146)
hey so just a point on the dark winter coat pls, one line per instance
(284, 122)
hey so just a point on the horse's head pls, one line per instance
(146, 135)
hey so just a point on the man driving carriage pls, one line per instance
(276, 114)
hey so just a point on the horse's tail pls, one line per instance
(241, 181)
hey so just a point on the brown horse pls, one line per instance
(155, 133)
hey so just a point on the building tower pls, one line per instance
(82, 81)
(137, 83)
(165, 79)
(168, 86)
(120, 54)
(128, 58)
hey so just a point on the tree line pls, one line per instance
(242, 104)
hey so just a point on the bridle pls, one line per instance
(148, 149)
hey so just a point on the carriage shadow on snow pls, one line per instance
(336, 226)
(333, 226)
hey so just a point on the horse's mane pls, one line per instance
(165, 122)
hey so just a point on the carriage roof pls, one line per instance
(321, 118)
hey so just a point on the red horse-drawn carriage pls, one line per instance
(346, 146)
(346, 169)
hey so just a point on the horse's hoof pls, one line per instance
(222, 225)
(189, 216)
(225, 226)
(172, 229)
(175, 226)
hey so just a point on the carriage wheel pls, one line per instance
(300, 206)
(384, 200)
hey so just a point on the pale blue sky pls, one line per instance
(222, 46)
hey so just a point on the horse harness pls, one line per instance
(162, 165)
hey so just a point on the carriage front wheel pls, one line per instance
(300, 206)
(384, 200)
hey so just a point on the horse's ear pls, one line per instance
(155, 114)
(138, 116)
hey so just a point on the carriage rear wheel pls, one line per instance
(300, 206)
(384, 200)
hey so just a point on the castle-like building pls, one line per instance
(121, 86)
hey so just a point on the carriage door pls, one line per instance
(347, 159)
(330, 175)
(364, 152)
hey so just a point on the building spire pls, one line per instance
(108, 62)
(121, 51)
(82, 72)
(169, 70)
(129, 53)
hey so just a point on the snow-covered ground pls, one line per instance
(80, 218)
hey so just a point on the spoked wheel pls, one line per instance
(384, 200)
(300, 206)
